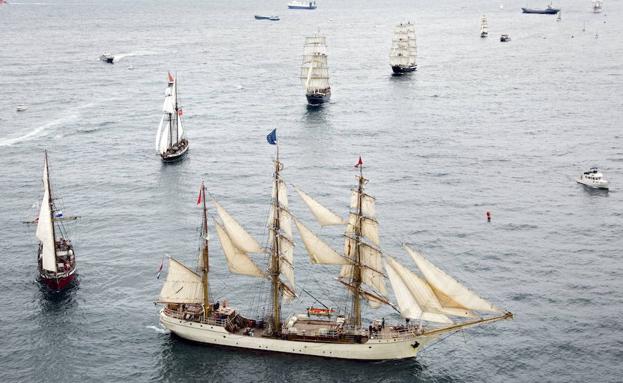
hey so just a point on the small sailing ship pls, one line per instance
(171, 142)
(315, 70)
(597, 6)
(403, 52)
(484, 28)
(432, 297)
(56, 260)
(302, 5)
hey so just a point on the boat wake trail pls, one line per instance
(43, 129)
(121, 56)
(159, 330)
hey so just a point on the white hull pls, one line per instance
(373, 349)
(595, 185)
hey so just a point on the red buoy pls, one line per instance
(488, 216)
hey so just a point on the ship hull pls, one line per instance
(175, 156)
(548, 11)
(399, 69)
(373, 349)
(301, 7)
(318, 98)
(58, 282)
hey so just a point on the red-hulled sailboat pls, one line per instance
(55, 258)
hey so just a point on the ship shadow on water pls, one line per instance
(595, 192)
(196, 361)
(58, 297)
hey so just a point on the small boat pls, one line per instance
(21, 108)
(484, 28)
(171, 142)
(547, 11)
(108, 58)
(404, 50)
(597, 6)
(56, 260)
(271, 18)
(302, 5)
(593, 179)
(505, 38)
(315, 70)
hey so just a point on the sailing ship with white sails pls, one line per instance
(315, 70)
(484, 27)
(403, 53)
(597, 6)
(171, 142)
(56, 260)
(433, 296)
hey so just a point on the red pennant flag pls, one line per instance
(200, 193)
(170, 77)
(160, 268)
(179, 112)
(359, 163)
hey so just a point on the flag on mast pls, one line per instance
(160, 268)
(272, 137)
(199, 198)
(359, 163)
(171, 79)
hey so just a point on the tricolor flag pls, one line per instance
(160, 268)
(359, 163)
(272, 137)
(171, 79)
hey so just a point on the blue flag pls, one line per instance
(272, 137)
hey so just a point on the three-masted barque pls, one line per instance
(315, 70)
(402, 56)
(171, 142)
(484, 27)
(431, 297)
(56, 261)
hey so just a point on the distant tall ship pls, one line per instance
(404, 49)
(484, 28)
(56, 260)
(171, 143)
(432, 296)
(302, 5)
(597, 6)
(315, 70)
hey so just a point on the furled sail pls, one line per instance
(319, 252)
(415, 299)
(45, 229)
(238, 261)
(324, 216)
(239, 237)
(450, 292)
(182, 285)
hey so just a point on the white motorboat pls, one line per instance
(593, 179)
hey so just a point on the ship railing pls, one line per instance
(184, 315)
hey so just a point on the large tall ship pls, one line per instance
(171, 142)
(315, 70)
(404, 49)
(429, 297)
(484, 27)
(56, 261)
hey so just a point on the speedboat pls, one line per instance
(593, 179)
(547, 11)
(302, 5)
(271, 18)
(107, 58)
(504, 38)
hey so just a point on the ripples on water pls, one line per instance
(481, 126)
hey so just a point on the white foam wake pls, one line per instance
(120, 56)
(159, 330)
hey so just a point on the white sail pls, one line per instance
(415, 299)
(239, 237)
(372, 268)
(450, 292)
(169, 99)
(180, 128)
(315, 68)
(285, 243)
(181, 286)
(238, 261)
(367, 204)
(404, 49)
(369, 228)
(286, 261)
(319, 252)
(324, 216)
(45, 229)
(159, 134)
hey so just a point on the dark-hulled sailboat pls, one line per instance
(171, 142)
(56, 260)
(315, 70)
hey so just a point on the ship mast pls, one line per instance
(177, 113)
(356, 283)
(274, 262)
(47, 175)
(205, 266)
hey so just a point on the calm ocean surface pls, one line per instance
(480, 126)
